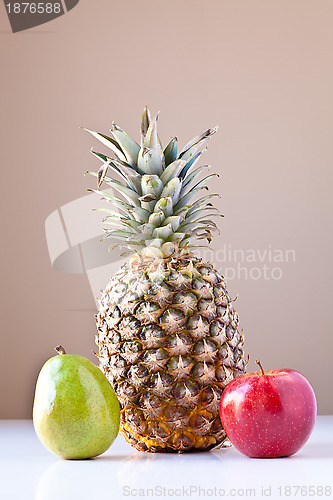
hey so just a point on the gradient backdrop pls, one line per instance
(260, 69)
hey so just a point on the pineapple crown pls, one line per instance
(158, 216)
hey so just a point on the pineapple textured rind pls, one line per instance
(169, 342)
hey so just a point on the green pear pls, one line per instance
(76, 412)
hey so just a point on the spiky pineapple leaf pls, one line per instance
(191, 177)
(149, 161)
(129, 194)
(172, 171)
(117, 202)
(131, 176)
(108, 142)
(180, 209)
(170, 152)
(193, 160)
(152, 140)
(162, 211)
(145, 121)
(198, 141)
(128, 145)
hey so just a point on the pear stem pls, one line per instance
(261, 368)
(60, 349)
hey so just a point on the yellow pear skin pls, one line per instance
(76, 412)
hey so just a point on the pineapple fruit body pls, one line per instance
(169, 343)
(168, 333)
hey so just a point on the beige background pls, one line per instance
(260, 69)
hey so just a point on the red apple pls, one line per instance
(268, 414)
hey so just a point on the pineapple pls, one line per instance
(167, 330)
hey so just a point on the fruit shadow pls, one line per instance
(322, 451)
(217, 454)
(109, 458)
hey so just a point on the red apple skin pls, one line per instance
(270, 415)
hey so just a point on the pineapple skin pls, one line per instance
(169, 343)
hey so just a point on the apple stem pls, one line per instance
(60, 349)
(261, 368)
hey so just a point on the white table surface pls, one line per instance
(29, 471)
